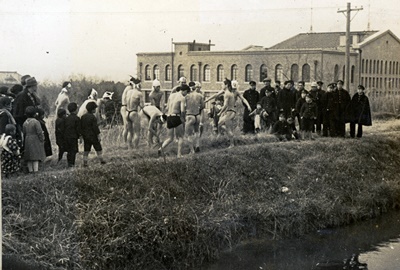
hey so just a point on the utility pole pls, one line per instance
(347, 54)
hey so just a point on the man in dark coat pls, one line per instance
(252, 97)
(286, 100)
(27, 97)
(338, 105)
(326, 111)
(268, 103)
(267, 87)
(317, 94)
(359, 112)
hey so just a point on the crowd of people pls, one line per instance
(25, 139)
(289, 113)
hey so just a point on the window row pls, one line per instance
(380, 67)
(380, 83)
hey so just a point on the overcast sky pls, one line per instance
(52, 39)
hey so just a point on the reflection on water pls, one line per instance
(377, 241)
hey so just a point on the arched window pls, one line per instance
(207, 73)
(147, 73)
(279, 73)
(385, 69)
(390, 67)
(316, 77)
(156, 72)
(336, 73)
(366, 66)
(377, 67)
(381, 66)
(353, 68)
(263, 72)
(220, 73)
(234, 72)
(248, 73)
(373, 82)
(305, 73)
(294, 73)
(344, 73)
(362, 66)
(181, 72)
(168, 73)
(193, 73)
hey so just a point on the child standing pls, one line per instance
(258, 112)
(91, 134)
(34, 140)
(47, 143)
(72, 133)
(60, 130)
(214, 114)
(10, 156)
(308, 115)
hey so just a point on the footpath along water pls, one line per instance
(377, 242)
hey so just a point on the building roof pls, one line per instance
(376, 36)
(326, 40)
(9, 77)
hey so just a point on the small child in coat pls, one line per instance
(47, 142)
(308, 115)
(258, 112)
(10, 156)
(281, 129)
(91, 134)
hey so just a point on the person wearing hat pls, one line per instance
(308, 115)
(277, 88)
(317, 94)
(268, 103)
(341, 99)
(28, 97)
(299, 104)
(91, 134)
(267, 86)
(182, 81)
(132, 102)
(300, 89)
(62, 100)
(156, 96)
(326, 105)
(359, 112)
(286, 100)
(252, 97)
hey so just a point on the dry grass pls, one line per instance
(140, 212)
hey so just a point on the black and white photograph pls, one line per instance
(200, 134)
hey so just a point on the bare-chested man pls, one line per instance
(181, 82)
(228, 111)
(175, 118)
(132, 102)
(194, 109)
(155, 120)
(156, 96)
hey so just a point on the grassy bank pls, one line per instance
(138, 212)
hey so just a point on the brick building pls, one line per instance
(374, 62)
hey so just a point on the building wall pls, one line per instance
(380, 64)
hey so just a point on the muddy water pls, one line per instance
(376, 241)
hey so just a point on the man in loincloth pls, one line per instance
(155, 120)
(175, 118)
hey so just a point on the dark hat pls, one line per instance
(3, 90)
(277, 82)
(267, 80)
(304, 91)
(23, 79)
(134, 80)
(270, 90)
(192, 84)
(361, 87)
(252, 83)
(61, 112)
(320, 83)
(282, 115)
(340, 81)
(302, 82)
(16, 88)
(332, 85)
(65, 84)
(91, 106)
(31, 81)
(286, 82)
(308, 95)
(4, 101)
(72, 107)
(30, 111)
(184, 87)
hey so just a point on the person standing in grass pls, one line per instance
(194, 112)
(359, 112)
(91, 134)
(72, 133)
(59, 132)
(34, 140)
(268, 103)
(308, 115)
(257, 113)
(47, 143)
(10, 156)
